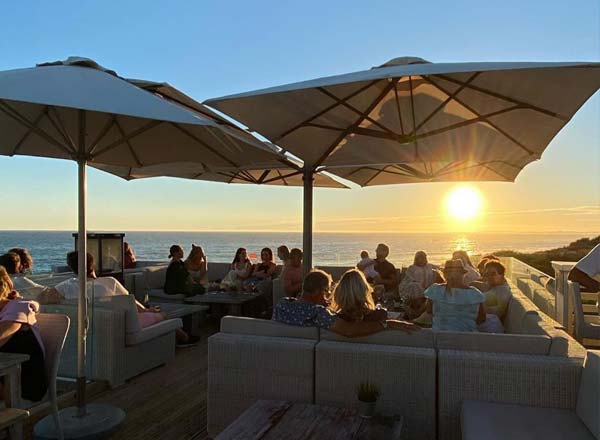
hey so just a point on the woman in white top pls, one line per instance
(471, 273)
(240, 270)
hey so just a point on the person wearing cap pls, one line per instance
(454, 305)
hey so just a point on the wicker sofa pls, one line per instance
(425, 377)
(117, 347)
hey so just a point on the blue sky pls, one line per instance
(209, 49)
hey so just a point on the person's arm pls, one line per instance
(50, 296)
(248, 272)
(7, 330)
(578, 276)
(480, 314)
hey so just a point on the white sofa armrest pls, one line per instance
(154, 331)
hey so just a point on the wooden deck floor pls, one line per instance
(168, 402)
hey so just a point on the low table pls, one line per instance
(277, 419)
(191, 314)
(232, 300)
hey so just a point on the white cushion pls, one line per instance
(501, 421)
(154, 331)
(264, 327)
(422, 338)
(154, 277)
(126, 303)
(588, 400)
(493, 342)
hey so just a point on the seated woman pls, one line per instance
(353, 299)
(283, 253)
(261, 271)
(239, 271)
(28, 288)
(471, 273)
(109, 286)
(129, 260)
(178, 280)
(197, 265)
(292, 276)
(454, 305)
(26, 260)
(419, 276)
(308, 310)
(19, 334)
(497, 297)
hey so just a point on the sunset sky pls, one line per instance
(210, 49)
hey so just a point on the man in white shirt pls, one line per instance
(96, 287)
(587, 271)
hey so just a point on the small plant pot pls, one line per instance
(366, 409)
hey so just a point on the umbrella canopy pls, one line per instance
(282, 175)
(490, 118)
(414, 121)
(72, 111)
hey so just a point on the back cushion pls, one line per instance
(588, 403)
(154, 277)
(493, 343)
(126, 303)
(217, 271)
(422, 338)
(518, 308)
(264, 327)
(527, 286)
(545, 301)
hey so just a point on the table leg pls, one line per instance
(12, 399)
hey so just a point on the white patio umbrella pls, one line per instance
(410, 120)
(79, 111)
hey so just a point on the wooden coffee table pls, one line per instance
(234, 301)
(276, 420)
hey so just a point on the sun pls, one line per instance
(464, 203)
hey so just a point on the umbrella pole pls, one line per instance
(82, 319)
(308, 220)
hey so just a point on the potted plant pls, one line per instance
(367, 393)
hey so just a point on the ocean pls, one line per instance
(50, 248)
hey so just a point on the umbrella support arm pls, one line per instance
(307, 235)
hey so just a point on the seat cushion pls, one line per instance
(501, 421)
(160, 294)
(266, 327)
(154, 331)
(422, 338)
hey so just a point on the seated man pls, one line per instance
(497, 297)
(308, 311)
(386, 270)
(587, 271)
(292, 276)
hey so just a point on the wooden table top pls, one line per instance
(276, 419)
(221, 298)
(9, 360)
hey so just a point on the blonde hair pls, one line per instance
(352, 296)
(6, 284)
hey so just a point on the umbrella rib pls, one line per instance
(150, 125)
(369, 180)
(28, 132)
(204, 144)
(282, 177)
(263, 176)
(447, 100)
(412, 109)
(322, 112)
(482, 164)
(355, 110)
(102, 133)
(10, 112)
(506, 98)
(60, 128)
(493, 125)
(356, 123)
(398, 105)
(133, 153)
